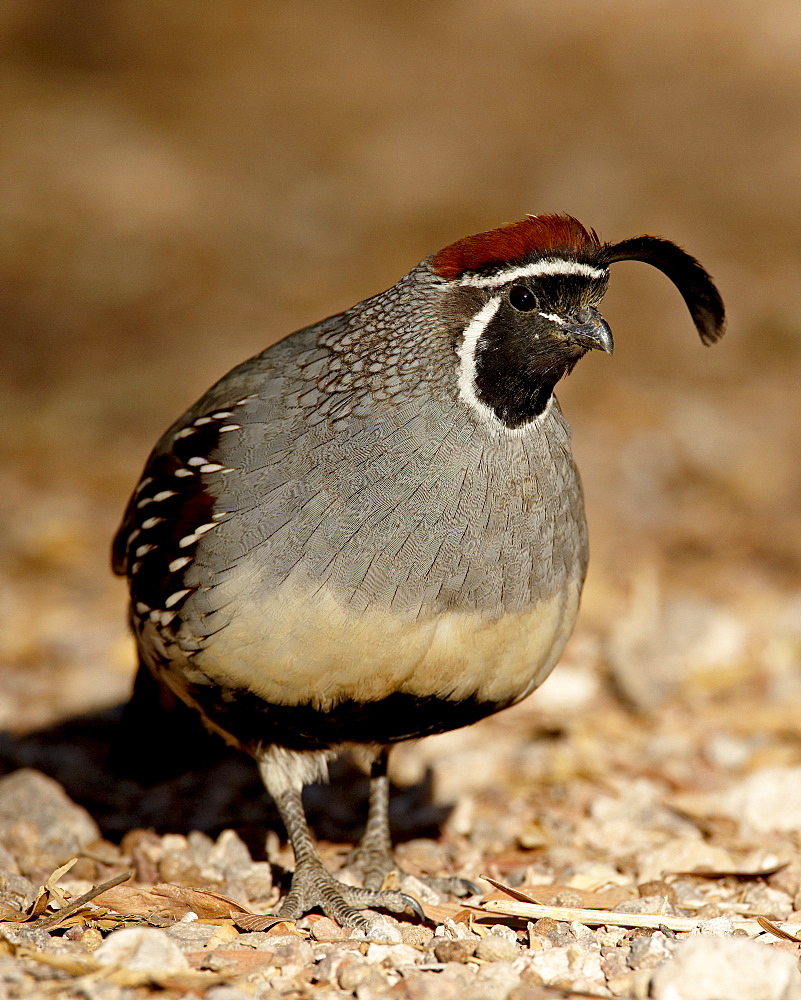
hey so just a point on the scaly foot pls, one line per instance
(313, 886)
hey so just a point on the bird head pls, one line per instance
(525, 297)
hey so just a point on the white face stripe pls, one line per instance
(547, 266)
(467, 358)
(553, 318)
(467, 369)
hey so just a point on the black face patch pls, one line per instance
(523, 353)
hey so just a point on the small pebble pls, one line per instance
(496, 949)
(708, 968)
(384, 929)
(60, 827)
(649, 951)
(326, 929)
(395, 956)
(447, 950)
(416, 934)
(142, 949)
(227, 993)
(353, 974)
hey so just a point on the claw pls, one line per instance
(413, 905)
(468, 888)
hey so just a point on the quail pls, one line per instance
(374, 530)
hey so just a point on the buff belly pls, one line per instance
(302, 670)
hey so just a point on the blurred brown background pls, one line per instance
(182, 183)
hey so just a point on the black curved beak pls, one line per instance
(593, 334)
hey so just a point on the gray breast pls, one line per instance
(409, 505)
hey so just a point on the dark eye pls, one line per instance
(521, 298)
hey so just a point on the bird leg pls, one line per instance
(372, 859)
(313, 886)
(284, 773)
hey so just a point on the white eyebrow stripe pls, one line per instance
(550, 265)
(553, 318)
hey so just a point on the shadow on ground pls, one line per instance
(168, 774)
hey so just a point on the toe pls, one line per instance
(313, 886)
(453, 886)
(412, 904)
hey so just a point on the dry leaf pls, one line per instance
(48, 893)
(439, 913)
(204, 902)
(80, 908)
(774, 929)
(64, 963)
(518, 894)
(742, 874)
(561, 895)
(266, 922)
(51, 887)
(10, 915)
(133, 900)
(238, 961)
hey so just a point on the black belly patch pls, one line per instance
(251, 720)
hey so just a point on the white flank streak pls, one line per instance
(211, 467)
(202, 420)
(197, 460)
(176, 597)
(184, 433)
(181, 473)
(177, 564)
(165, 495)
(230, 427)
(550, 265)
(191, 539)
(151, 522)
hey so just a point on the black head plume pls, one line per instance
(696, 287)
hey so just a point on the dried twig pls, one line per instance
(535, 911)
(55, 919)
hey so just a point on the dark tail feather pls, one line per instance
(687, 274)
(158, 736)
